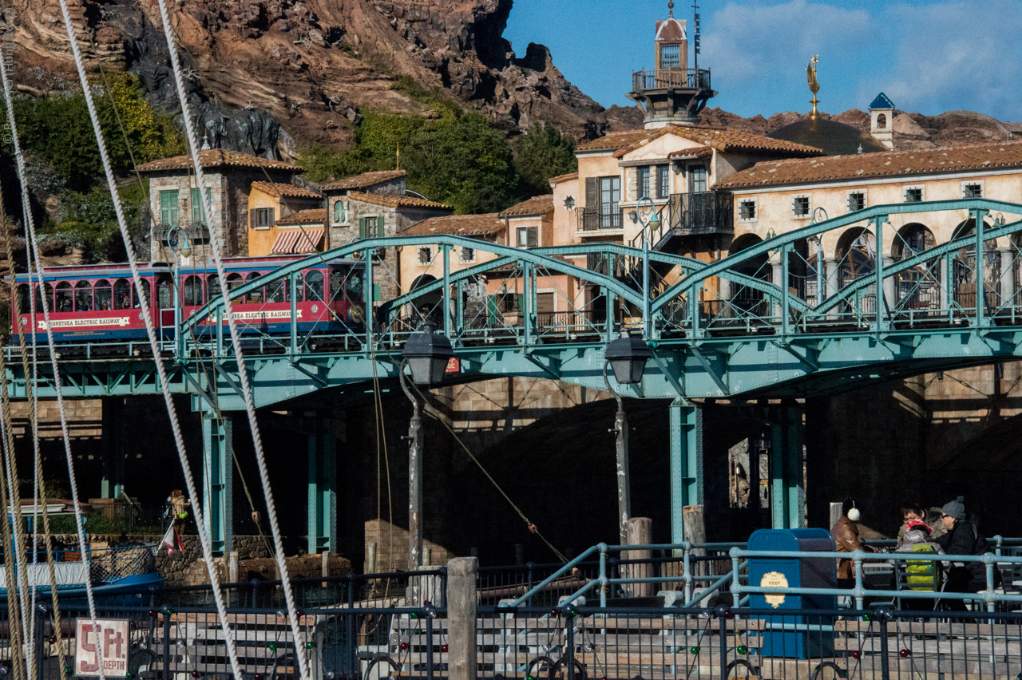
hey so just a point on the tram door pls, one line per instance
(165, 300)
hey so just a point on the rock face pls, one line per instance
(307, 66)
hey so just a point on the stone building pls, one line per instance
(174, 200)
(338, 204)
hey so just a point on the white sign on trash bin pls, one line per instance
(113, 640)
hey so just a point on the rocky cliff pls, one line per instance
(267, 73)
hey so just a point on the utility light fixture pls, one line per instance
(627, 357)
(428, 354)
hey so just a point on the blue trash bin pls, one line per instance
(796, 636)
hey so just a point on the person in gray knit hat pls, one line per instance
(962, 538)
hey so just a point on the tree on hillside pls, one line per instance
(541, 154)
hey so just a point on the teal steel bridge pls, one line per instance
(718, 330)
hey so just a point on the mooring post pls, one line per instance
(461, 617)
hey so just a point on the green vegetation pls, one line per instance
(58, 131)
(456, 157)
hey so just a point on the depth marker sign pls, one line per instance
(114, 640)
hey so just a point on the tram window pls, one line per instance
(83, 296)
(165, 292)
(23, 299)
(299, 288)
(277, 291)
(122, 294)
(254, 296)
(336, 291)
(135, 303)
(39, 299)
(353, 287)
(234, 281)
(314, 286)
(213, 286)
(104, 296)
(193, 291)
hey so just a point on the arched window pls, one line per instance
(146, 290)
(83, 296)
(882, 121)
(918, 287)
(339, 212)
(23, 299)
(856, 255)
(277, 291)
(743, 297)
(314, 286)
(254, 296)
(299, 288)
(234, 281)
(165, 292)
(104, 296)
(193, 291)
(213, 286)
(966, 268)
(122, 294)
(49, 299)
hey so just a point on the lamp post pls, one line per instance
(426, 354)
(180, 245)
(646, 215)
(627, 357)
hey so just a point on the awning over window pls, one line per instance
(285, 242)
(308, 241)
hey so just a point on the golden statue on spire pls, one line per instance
(814, 85)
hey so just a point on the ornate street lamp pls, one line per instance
(428, 354)
(627, 357)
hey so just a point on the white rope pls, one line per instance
(225, 293)
(19, 556)
(153, 344)
(30, 229)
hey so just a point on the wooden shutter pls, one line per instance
(532, 237)
(592, 193)
(361, 227)
(253, 218)
(380, 230)
(544, 303)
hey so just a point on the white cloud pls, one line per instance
(765, 44)
(954, 55)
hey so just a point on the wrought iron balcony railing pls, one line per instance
(705, 212)
(670, 78)
(597, 219)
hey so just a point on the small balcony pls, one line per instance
(670, 79)
(706, 212)
(600, 219)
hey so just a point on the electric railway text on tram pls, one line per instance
(90, 302)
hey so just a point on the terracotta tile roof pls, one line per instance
(702, 153)
(623, 143)
(392, 201)
(537, 205)
(564, 178)
(364, 181)
(315, 216)
(280, 189)
(881, 164)
(615, 140)
(214, 158)
(458, 225)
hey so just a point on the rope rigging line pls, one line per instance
(14, 618)
(34, 249)
(140, 287)
(271, 511)
(18, 549)
(39, 491)
(532, 527)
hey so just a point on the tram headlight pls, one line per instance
(356, 314)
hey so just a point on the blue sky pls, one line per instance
(928, 57)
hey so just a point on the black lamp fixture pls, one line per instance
(627, 357)
(428, 354)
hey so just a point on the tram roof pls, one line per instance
(121, 270)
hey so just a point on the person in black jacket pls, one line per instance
(962, 538)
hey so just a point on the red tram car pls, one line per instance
(100, 302)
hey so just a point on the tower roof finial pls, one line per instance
(670, 8)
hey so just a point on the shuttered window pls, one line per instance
(644, 187)
(168, 207)
(197, 209)
(528, 237)
(370, 227)
(663, 181)
(670, 56)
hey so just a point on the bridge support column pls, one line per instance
(114, 429)
(787, 493)
(1007, 277)
(686, 463)
(889, 290)
(322, 511)
(832, 283)
(217, 478)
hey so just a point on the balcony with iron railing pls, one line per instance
(700, 213)
(600, 219)
(670, 79)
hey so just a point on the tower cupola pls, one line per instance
(671, 93)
